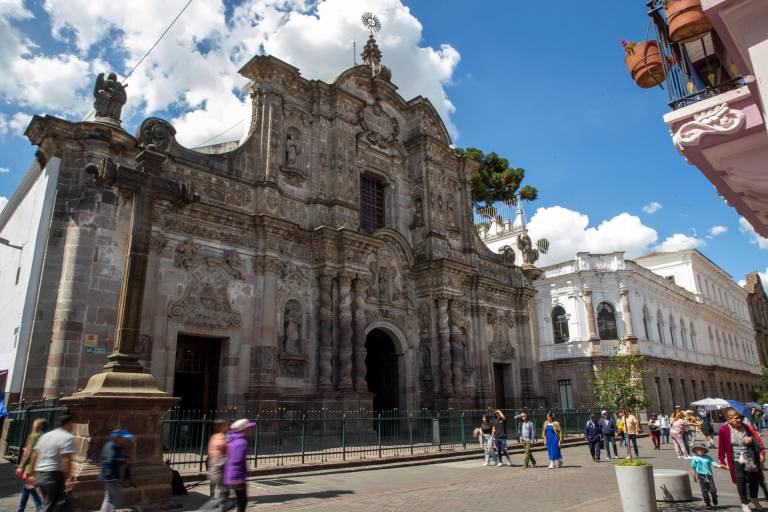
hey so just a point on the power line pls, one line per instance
(220, 133)
(156, 42)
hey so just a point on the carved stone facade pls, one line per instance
(268, 269)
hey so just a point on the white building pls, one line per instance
(695, 344)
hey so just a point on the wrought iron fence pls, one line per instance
(20, 418)
(285, 437)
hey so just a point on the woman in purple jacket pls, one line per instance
(235, 470)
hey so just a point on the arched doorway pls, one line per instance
(381, 370)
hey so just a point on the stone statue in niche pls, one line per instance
(292, 328)
(383, 285)
(110, 97)
(426, 362)
(291, 149)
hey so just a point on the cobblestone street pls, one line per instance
(466, 485)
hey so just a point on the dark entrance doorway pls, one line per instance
(197, 372)
(382, 372)
(502, 385)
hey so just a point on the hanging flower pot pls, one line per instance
(686, 19)
(643, 61)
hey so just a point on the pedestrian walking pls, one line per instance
(677, 433)
(25, 468)
(500, 437)
(664, 424)
(235, 470)
(594, 436)
(693, 427)
(553, 437)
(702, 465)
(654, 427)
(706, 427)
(52, 462)
(489, 450)
(620, 430)
(631, 430)
(609, 428)
(113, 462)
(217, 457)
(738, 449)
(527, 437)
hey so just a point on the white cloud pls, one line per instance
(652, 207)
(4, 170)
(3, 202)
(194, 68)
(746, 227)
(717, 230)
(679, 242)
(568, 232)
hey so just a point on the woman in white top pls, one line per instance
(664, 426)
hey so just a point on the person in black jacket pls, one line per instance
(594, 435)
(113, 462)
(608, 429)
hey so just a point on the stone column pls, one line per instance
(325, 345)
(457, 351)
(360, 286)
(625, 310)
(345, 331)
(444, 334)
(589, 310)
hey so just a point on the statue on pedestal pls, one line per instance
(110, 97)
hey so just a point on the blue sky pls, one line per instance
(542, 83)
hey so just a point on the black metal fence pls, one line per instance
(20, 418)
(285, 437)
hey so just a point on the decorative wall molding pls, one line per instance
(721, 120)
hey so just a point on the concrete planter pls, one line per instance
(636, 488)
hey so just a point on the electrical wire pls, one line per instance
(206, 141)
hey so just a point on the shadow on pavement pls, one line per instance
(202, 502)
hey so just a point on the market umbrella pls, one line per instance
(711, 403)
(741, 408)
(755, 405)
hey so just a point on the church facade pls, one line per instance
(330, 259)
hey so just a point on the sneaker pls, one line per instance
(499, 464)
(560, 463)
(551, 465)
(485, 463)
(755, 504)
(745, 508)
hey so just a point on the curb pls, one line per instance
(384, 463)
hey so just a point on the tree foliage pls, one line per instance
(494, 180)
(618, 383)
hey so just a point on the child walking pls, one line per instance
(702, 465)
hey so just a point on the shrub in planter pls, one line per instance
(686, 19)
(644, 63)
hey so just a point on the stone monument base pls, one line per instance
(130, 401)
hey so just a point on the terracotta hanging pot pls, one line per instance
(686, 19)
(644, 63)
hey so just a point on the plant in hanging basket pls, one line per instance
(686, 19)
(644, 62)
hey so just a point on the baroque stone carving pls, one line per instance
(206, 298)
(292, 328)
(525, 246)
(509, 254)
(379, 128)
(156, 131)
(110, 98)
(721, 120)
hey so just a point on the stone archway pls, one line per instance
(382, 370)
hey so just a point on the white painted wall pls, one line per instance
(24, 222)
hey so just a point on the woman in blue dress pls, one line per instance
(553, 436)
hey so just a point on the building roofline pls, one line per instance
(687, 251)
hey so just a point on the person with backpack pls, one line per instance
(113, 462)
(24, 470)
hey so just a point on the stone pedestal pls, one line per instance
(121, 400)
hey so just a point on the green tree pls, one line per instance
(494, 180)
(618, 384)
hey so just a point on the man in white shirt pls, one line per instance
(52, 462)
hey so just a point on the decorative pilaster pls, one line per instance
(625, 309)
(457, 351)
(325, 345)
(444, 333)
(345, 331)
(589, 310)
(360, 286)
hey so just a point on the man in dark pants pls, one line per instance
(52, 462)
(593, 435)
(608, 429)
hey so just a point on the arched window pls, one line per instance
(672, 330)
(606, 322)
(660, 326)
(646, 322)
(560, 324)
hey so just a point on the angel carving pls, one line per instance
(110, 97)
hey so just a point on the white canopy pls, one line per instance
(711, 403)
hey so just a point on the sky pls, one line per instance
(541, 83)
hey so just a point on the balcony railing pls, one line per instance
(696, 68)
